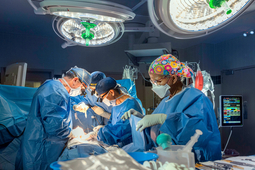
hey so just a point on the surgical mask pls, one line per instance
(73, 92)
(161, 90)
(110, 102)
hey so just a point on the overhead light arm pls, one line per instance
(67, 44)
(87, 22)
(139, 29)
(138, 5)
(32, 4)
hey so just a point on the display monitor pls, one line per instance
(15, 74)
(231, 111)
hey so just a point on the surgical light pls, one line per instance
(201, 16)
(87, 16)
(95, 10)
(75, 30)
(194, 18)
(91, 23)
(89, 34)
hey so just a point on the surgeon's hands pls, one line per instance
(128, 114)
(150, 120)
(100, 111)
(96, 129)
(81, 107)
(91, 135)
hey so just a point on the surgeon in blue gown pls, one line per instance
(49, 122)
(117, 131)
(97, 113)
(182, 110)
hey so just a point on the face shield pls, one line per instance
(83, 75)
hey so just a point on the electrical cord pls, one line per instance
(177, 53)
(11, 133)
(227, 141)
(143, 76)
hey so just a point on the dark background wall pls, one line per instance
(237, 54)
(42, 52)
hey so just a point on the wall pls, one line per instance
(241, 83)
(205, 55)
(237, 54)
(46, 53)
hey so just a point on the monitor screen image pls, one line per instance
(231, 111)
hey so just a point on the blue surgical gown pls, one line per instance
(48, 126)
(92, 120)
(187, 111)
(131, 89)
(118, 131)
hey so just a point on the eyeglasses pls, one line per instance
(75, 75)
(83, 92)
(92, 92)
(100, 98)
(155, 82)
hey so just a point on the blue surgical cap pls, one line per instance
(96, 77)
(82, 74)
(105, 85)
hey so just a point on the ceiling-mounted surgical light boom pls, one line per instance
(103, 11)
(184, 19)
(77, 32)
(90, 23)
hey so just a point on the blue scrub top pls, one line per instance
(48, 126)
(187, 111)
(118, 131)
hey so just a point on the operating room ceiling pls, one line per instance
(19, 18)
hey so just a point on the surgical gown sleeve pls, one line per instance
(119, 134)
(118, 131)
(54, 112)
(194, 111)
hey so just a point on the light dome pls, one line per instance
(73, 31)
(104, 11)
(185, 19)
